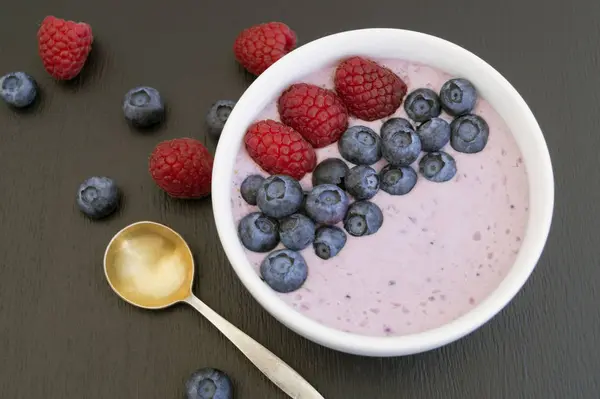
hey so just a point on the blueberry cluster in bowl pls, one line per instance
(341, 194)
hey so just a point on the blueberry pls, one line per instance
(458, 96)
(327, 204)
(330, 171)
(360, 145)
(329, 241)
(362, 182)
(18, 89)
(279, 196)
(209, 383)
(437, 166)
(98, 197)
(143, 106)
(363, 218)
(422, 105)
(400, 145)
(469, 133)
(398, 180)
(296, 232)
(258, 232)
(249, 188)
(218, 115)
(284, 270)
(434, 134)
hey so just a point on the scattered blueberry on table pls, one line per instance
(143, 106)
(209, 383)
(217, 116)
(18, 89)
(98, 197)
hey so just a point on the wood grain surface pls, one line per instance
(64, 334)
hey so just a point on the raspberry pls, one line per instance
(369, 90)
(259, 46)
(182, 167)
(317, 114)
(64, 46)
(279, 149)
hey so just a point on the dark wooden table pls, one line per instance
(64, 334)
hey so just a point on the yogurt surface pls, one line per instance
(443, 247)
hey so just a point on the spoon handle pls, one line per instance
(282, 375)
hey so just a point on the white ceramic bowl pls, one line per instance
(402, 44)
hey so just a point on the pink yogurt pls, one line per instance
(442, 249)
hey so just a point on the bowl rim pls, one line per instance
(318, 51)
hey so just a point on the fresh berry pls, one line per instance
(469, 133)
(360, 145)
(434, 134)
(258, 232)
(369, 90)
(437, 166)
(182, 167)
(143, 106)
(317, 114)
(64, 46)
(458, 96)
(398, 180)
(327, 204)
(284, 270)
(249, 188)
(218, 115)
(259, 46)
(400, 144)
(422, 104)
(363, 218)
(331, 171)
(98, 197)
(209, 383)
(362, 182)
(279, 196)
(18, 89)
(329, 241)
(279, 149)
(296, 232)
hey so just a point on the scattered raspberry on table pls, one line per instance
(259, 46)
(182, 167)
(279, 149)
(369, 90)
(316, 113)
(64, 46)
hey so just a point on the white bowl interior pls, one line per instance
(413, 46)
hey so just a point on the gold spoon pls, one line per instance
(150, 266)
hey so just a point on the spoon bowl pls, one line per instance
(150, 266)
